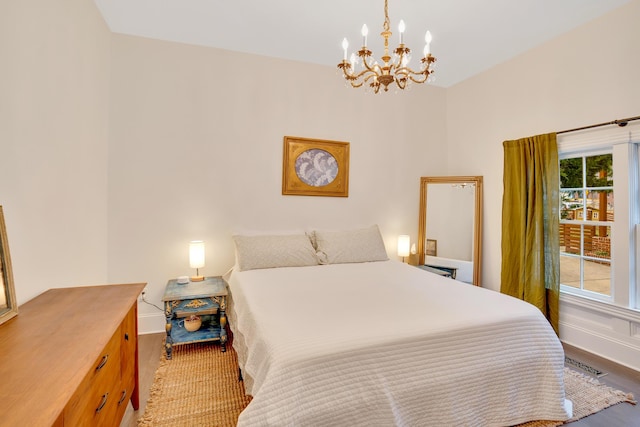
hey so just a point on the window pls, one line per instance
(586, 214)
(599, 214)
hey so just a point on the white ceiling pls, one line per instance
(469, 36)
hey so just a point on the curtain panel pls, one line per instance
(530, 223)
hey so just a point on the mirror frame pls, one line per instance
(7, 274)
(477, 222)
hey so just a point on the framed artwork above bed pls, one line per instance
(315, 167)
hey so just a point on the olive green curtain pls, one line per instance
(530, 218)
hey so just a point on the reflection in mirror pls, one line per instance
(450, 226)
(8, 306)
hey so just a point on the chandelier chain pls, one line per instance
(387, 23)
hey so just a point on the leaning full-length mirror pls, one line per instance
(8, 306)
(450, 226)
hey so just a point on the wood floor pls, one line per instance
(619, 377)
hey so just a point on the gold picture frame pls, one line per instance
(8, 305)
(431, 248)
(315, 167)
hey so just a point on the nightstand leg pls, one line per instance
(223, 330)
(168, 345)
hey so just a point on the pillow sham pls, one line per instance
(340, 247)
(270, 251)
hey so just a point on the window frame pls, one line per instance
(623, 143)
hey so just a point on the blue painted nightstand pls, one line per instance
(206, 299)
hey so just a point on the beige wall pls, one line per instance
(589, 75)
(195, 152)
(117, 150)
(54, 80)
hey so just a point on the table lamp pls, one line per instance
(196, 258)
(404, 246)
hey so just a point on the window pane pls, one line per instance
(570, 235)
(599, 206)
(600, 171)
(571, 173)
(570, 271)
(572, 206)
(597, 242)
(597, 276)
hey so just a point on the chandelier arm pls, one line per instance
(419, 80)
(345, 66)
(401, 83)
(366, 73)
(369, 77)
(407, 70)
(371, 71)
(346, 74)
(351, 79)
(366, 63)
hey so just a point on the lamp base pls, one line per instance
(196, 278)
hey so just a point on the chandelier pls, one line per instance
(395, 69)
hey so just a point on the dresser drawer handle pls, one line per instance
(103, 362)
(104, 402)
(126, 337)
(123, 397)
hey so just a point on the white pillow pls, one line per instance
(362, 245)
(254, 252)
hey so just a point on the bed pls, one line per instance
(328, 336)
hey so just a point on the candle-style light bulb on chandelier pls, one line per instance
(394, 69)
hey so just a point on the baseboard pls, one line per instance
(151, 323)
(600, 328)
(607, 346)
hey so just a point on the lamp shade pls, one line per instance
(196, 254)
(404, 245)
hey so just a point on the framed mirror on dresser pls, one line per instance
(8, 305)
(450, 226)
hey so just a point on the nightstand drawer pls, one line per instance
(200, 306)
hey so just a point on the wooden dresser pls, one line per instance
(70, 358)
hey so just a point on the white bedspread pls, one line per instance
(383, 344)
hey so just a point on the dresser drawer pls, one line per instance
(95, 402)
(124, 395)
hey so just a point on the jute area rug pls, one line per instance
(199, 387)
